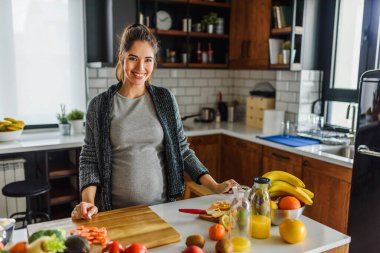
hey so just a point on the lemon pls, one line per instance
(227, 221)
(240, 244)
(217, 213)
(273, 205)
(292, 231)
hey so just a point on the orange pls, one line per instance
(292, 231)
(217, 232)
(289, 203)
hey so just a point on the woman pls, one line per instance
(135, 150)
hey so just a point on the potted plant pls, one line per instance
(186, 52)
(64, 125)
(286, 46)
(210, 21)
(76, 119)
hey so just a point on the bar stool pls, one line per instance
(27, 189)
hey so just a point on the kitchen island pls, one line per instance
(320, 238)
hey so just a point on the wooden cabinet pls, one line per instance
(61, 170)
(241, 160)
(249, 34)
(275, 159)
(203, 49)
(331, 185)
(207, 149)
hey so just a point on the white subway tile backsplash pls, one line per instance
(185, 82)
(215, 82)
(256, 74)
(97, 83)
(195, 88)
(193, 73)
(207, 73)
(222, 73)
(169, 82)
(269, 75)
(193, 91)
(177, 73)
(163, 73)
(92, 73)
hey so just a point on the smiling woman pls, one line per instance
(42, 61)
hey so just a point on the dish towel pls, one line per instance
(291, 141)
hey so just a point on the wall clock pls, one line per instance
(164, 20)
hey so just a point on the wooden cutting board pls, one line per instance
(126, 225)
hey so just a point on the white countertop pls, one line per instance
(37, 141)
(319, 237)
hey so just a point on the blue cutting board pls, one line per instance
(292, 141)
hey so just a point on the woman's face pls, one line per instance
(138, 63)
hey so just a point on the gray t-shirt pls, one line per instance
(138, 175)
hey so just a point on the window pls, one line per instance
(42, 59)
(350, 44)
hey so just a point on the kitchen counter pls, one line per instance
(36, 141)
(319, 237)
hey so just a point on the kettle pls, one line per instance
(207, 114)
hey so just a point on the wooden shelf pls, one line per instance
(208, 3)
(208, 35)
(191, 34)
(287, 30)
(171, 65)
(62, 171)
(208, 65)
(293, 66)
(193, 2)
(61, 195)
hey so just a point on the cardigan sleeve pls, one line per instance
(192, 166)
(88, 165)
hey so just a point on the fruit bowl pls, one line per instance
(278, 215)
(10, 135)
(6, 229)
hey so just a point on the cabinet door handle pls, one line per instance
(364, 150)
(248, 49)
(306, 163)
(280, 156)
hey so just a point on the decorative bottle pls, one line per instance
(240, 213)
(260, 215)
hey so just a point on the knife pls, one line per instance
(195, 211)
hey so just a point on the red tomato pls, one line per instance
(136, 248)
(113, 247)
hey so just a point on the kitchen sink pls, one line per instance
(343, 151)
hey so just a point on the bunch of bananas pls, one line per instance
(11, 124)
(284, 183)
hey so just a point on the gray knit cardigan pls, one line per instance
(95, 159)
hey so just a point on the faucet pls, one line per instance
(351, 134)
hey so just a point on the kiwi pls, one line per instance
(196, 239)
(224, 246)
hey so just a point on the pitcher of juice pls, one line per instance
(240, 213)
(260, 215)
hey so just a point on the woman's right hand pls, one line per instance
(84, 210)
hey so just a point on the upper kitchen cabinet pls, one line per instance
(186, 40)
(249, 34)
(105, 21)
(293, 34)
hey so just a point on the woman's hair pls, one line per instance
(132, 33)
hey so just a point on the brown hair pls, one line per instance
(132, 33)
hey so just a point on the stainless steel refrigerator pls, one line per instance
(364, 212)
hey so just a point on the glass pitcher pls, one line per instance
(260, 215)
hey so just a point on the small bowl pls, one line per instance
(277, 215)
(6, 229)
(10, 135)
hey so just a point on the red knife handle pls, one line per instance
(194, 211)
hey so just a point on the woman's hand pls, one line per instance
(84, 210)
(225, 186)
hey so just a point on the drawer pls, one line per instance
(254, 122)
(282, 155)
(260, 102)
(256, 113)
